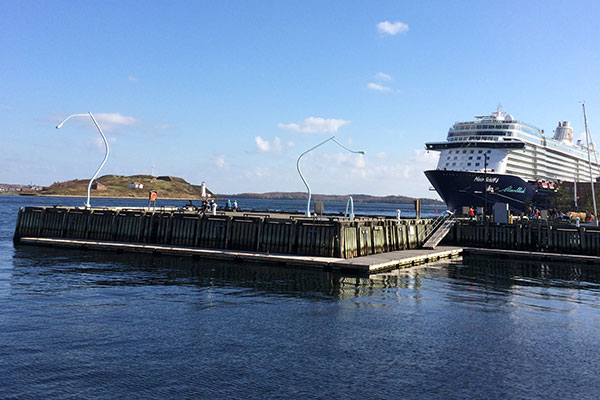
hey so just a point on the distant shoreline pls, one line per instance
(265, 196)
(100, 197)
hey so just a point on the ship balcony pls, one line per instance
(437, 146)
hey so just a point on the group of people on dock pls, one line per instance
(551, 214)
(554, 214)
(210, 206)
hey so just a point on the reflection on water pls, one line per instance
(87, 324)
(95, 268)
(505, 272)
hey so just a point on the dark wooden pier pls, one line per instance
(534, 236)
(364, 244)
(259, 232)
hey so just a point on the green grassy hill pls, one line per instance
(118, 186)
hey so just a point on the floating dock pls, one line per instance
(531, 255)
(365, 264)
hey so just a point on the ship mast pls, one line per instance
(587, 140)
(575, 187)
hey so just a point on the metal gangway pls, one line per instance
(438, 230)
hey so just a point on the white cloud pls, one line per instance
(220, 162)
(115, 119)
(381, 76)
(357, 161)
(377, 87)
(262, 145)
(111, 122)
(132, 78)
(332, 170)
(315, 125)
(392, 28)
(360, 162)
(344, 173)
(407, 173)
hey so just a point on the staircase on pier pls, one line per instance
(439, 229)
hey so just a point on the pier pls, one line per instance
(333, 242)
(534, 236)
(365, 245)
(261, 232)
(364, 264)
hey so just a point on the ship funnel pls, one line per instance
(564, 132)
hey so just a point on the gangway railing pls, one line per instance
(436, 231)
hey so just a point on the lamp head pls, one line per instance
(362, 152)
(59, 125)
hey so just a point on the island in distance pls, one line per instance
(171, 187)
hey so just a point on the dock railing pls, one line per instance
(437, 230)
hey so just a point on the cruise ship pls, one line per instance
(498, 159)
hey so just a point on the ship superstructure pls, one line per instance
(517, 162)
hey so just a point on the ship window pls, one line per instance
(470, 157)
(455, 157)
(472, 151)
(468, 164)
(447, 164)
(477, 164)
(448, 158)
(464, 151)
(479, 151)
(453, 164)
(489, 151)
(478, 157)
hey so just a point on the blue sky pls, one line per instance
(232, 92)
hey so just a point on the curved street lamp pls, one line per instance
(87, 204)
(311, 149)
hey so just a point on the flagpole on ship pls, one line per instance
(587, 139)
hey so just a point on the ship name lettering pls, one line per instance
(489, 179)
(510, 189)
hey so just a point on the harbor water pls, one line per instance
(89, 324)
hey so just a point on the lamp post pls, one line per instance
(309, 150)
(87, 203)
